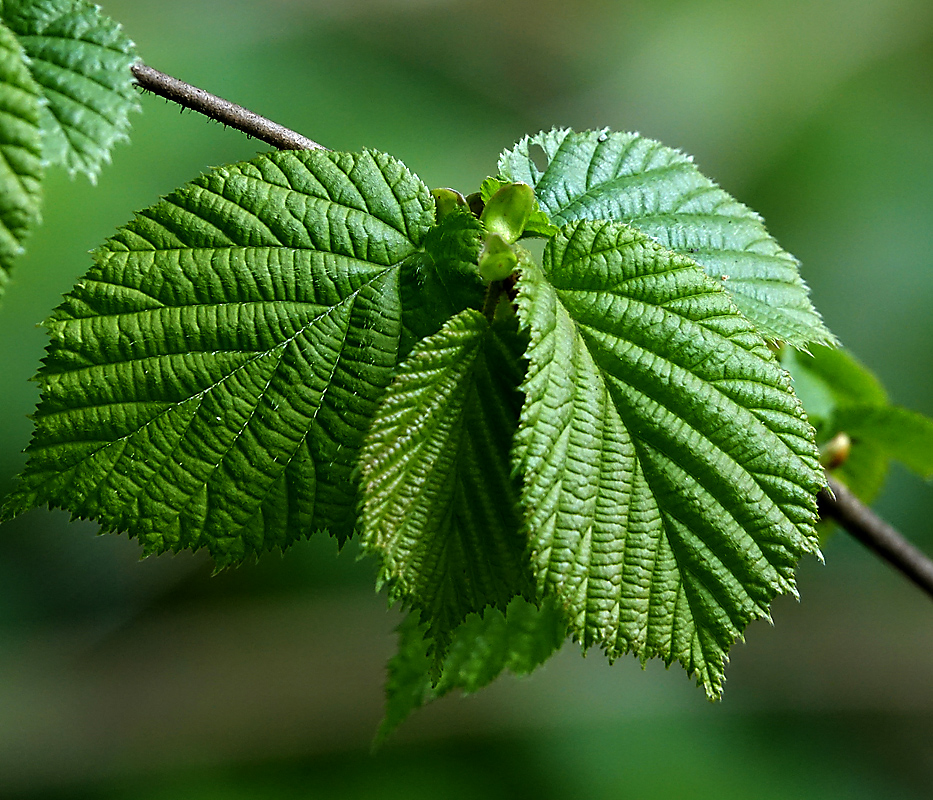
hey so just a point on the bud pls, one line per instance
(836, 451)
(446, 201)
(497, 260)
(508, 211)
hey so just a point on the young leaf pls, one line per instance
(81, 59)
(21, 148)
(482, 647)
(538, 223)
(669, 471)
(627, 178)
(440, 506)
(209, 382)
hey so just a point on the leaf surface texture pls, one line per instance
(20, 151)
(627, 178)
(209, 382)
(81, 58)
(441, 508)
(669, 470)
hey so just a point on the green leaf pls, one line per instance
(669, 471)
(830, 377)
(627, 178)
(864, 471)
(21, 150)
(899, 433)
(440, 506)
(209, 382)
(441, 278)
(482, 647)
(81, 59)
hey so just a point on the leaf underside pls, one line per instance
(209, 382)
(627, 178)
(440, 506)
(20, 152)
(81, 58)
(669, 470)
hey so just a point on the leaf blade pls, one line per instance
(899, 433)
(440, 506)
(669, 472)
(229, 343)
(81, 58)
(21, 150)
(627, 178)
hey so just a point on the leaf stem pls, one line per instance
(491, 302)
(877, 535)
(221, 110)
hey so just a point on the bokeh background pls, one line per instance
(122, 678)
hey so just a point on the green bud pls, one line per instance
(447, 201)
(497, 260)
(508, 211)
(475, 203)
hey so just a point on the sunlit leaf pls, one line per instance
(627, 178)
(209, 381)
(669, 470)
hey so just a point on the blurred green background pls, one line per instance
(129, 679)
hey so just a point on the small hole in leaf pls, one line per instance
(538, 157)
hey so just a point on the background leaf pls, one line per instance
(841, 395)
(21, 147)
(829, 377)
(440, 506)
(656, 189)
(81, 59)
(230, 341)
(900, 433)
(669, 471)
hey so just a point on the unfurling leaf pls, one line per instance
(669, 471)
(497, 259)
(507, 212)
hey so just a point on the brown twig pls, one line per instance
(841, 505)
(223, 111)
